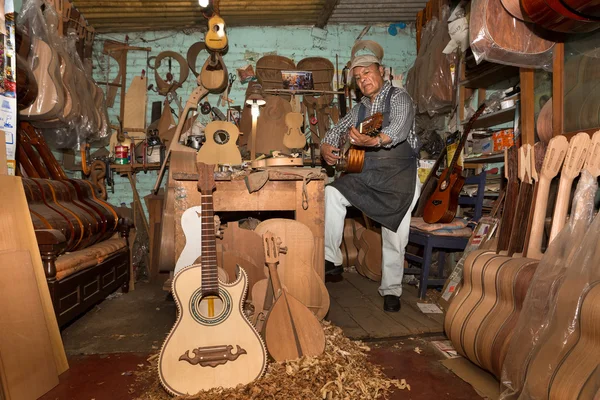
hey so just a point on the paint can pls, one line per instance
(153, 154)
(121, 154)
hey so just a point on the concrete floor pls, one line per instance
(113, 340)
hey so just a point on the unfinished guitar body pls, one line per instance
(204, 352)
(220, 146)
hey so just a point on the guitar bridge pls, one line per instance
(212, 356)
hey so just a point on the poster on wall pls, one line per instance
(8, 86)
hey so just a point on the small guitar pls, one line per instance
(353, 157)
(443, 202)
(220, 146)
(291, 330)
(294, 138)
(212, 343)
(216, 36)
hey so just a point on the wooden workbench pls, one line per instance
(282, 192)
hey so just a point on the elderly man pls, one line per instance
(387, 189)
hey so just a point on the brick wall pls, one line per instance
(246, 46)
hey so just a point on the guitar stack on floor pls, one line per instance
(529, 317)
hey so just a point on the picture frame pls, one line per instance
(297, 80)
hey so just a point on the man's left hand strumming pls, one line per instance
(359, 139)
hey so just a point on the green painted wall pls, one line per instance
(246, 46)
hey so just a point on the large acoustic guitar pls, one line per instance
(212, 344)
(353, 157)
(443, 202)
(569, 16)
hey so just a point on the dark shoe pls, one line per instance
(332, 269)
(391, 303)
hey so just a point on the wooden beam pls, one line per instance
(326, 14)
(558, 89)
(527, 106)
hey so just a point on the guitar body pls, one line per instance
(232, 349)
(216, 36)
(220, 146)
(555, 15)
(577, 376)
(514, 8)
(294, 138)
(214, 76)
(353, 157)
(369, 254)
(443, 203)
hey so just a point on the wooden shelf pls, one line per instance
(486, 158)
(488, 74)
(495, 118)
(123, 168)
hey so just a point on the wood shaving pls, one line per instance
(418, 350)
(341, 372)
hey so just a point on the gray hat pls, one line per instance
(364, 61)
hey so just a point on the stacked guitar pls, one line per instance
(512, 297)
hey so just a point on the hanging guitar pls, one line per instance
(353, 157)
(443, 202)
(216, 36)
(212, 343)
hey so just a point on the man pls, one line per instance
(387, 189)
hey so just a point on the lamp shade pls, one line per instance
(256, 95)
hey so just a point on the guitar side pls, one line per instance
(443, 203)
(202, 353)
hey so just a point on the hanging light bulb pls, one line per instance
(203, 3)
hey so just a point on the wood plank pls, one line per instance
(527, 106)
(28, 364)
(338, 316)
(314, 218)
(136, 99)
(376, 322)
(558, 89)
(234, 196)
(346, 294)
(326, 12)
(16, 232)
(414, 320)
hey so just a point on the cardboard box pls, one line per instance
(483, 145)
(503, 139)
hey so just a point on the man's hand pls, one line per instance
(327, 152)
(358, 139)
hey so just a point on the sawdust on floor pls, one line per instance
(341, 372)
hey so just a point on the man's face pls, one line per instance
(369, 79)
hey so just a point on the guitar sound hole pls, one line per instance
(221, 137)
(210, 307)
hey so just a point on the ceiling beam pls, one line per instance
(327, 11)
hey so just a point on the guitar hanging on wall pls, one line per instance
(212, 344)
(353, 157)
(443, 202)
(216, 36)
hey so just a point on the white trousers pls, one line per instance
(393, 246)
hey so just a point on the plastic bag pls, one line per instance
(566, 256)
(45, 62)
(497, 36)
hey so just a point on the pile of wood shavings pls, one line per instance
(341, 372)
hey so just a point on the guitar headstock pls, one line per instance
(592, 162)
(371, 124)
(576, 155)
(525, 163)
(555, 155)
(511, 163)
(206, 178)
(271, 246)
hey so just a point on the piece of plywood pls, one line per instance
(16, 233)
(136, 101)
(28, 366)
(166, 122)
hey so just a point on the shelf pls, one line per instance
(487, 74)
(486, 158)
(124, 168)
(495, 118)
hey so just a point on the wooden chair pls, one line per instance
(442, 243)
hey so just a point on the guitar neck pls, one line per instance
(210, 281)
(465, 135)
(274, 275)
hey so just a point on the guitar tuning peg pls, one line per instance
(283, 250)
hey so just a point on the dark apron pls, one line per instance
(385, 188)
